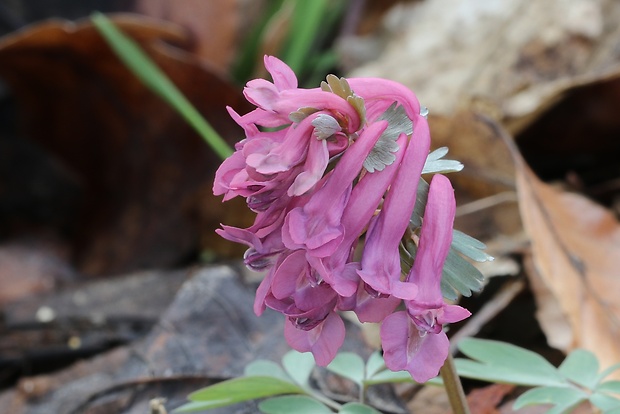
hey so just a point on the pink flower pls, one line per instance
(337, 268)
(414, 340)
(325, 170)
(317, 225)
(381, 258)
(297, 292)
(323, 341)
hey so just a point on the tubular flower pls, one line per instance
(325, 170)
(414, 340)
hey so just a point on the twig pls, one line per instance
(487, 202)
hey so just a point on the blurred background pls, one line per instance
(105, 192)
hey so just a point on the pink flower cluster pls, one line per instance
(324, 169)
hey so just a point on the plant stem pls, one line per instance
(320, 397)
(454, 388)
(362, 394)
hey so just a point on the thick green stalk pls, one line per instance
(454, 388)
(155, 79)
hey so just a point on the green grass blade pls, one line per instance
(155, 79)
(307, 23)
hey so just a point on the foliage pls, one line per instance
(576, 380)
(288, 385)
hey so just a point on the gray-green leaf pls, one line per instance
(562, 398)
(298, 404)
(382, 154)
(374, 364)
(299, 366)
(357, 408)
(604, 402)
(264, 368)
(436, 164)
(581, 367)
(612, 386)
(348, 365)
(470, 247)
(501, 362)
(387, 376)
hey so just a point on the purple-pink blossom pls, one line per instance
(413, 340)
(332, 175)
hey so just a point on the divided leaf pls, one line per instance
(357, 408)
(506, 363)
(436, 164)
(470, 247)
(612, 387)
(561, 397)
(299, 366)
(264, 368)
(348, 365)
(299, 404)
(387, 376)
(374, 364)
(605, 402)
(581, 367)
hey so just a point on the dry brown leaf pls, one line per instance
(144, 175)
(213, 26)
(30, 270)
(485, 400)
(514, 57)
(576, 251)
(550, 315)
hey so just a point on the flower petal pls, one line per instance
(323, 341)
(283, 76)
(434, 244)
(381, 258)
(405, 349)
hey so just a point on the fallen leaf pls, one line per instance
(549, 314)
(213, 26)
(30, 269)
(430, 400)
(576, 251)
(486, 400)
(144, 175)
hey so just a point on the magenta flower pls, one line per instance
(381, 259)
(413, 340)
(326, 170)
(337, 269)
(317, 225)
(295, 290)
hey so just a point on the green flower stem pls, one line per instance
(155, 79)
(321, 398)
(454, 388)
(362, 394)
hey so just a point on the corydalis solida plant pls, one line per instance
(323, 169)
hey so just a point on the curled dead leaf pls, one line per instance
(575, 245)
(144, 175)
